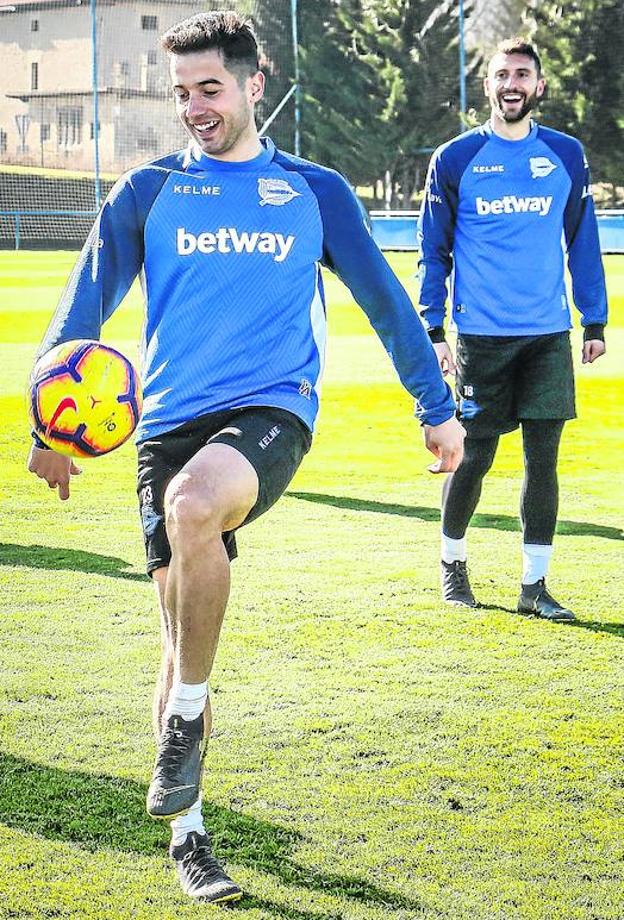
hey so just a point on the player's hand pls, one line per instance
(446, 442)
(55, 468)
(445, 357)
(592, 349)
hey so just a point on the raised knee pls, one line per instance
(189, 510)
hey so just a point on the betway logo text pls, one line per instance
(511, 204)
(228, 239)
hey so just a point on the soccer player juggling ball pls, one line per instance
(230, 234)
(500, 201)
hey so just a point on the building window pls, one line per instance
(45, 132)
(3, 140)
(149, 23)
(152, 57)
(34, 76)
(34, 25)
(121, 73)
(69, 126)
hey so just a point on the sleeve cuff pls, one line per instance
(39, 444)
(436, 334)
(594, 332)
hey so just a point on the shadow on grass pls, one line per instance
(59, 557)
(103, 812)
(498, 608)
(612, 629)
(491, 521)
(279, 910)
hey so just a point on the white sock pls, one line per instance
(192, 821)
(186, 700)
(535, 559)
(452, 550)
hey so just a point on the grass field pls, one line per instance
(375, 755)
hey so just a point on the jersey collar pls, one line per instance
(487, 128)
(195, 161)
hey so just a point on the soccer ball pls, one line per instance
(85, 398)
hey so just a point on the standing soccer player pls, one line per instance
(502, 204)
(230, 235)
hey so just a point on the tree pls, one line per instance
(272, 20)
(340, 95)
(381, 87)
(411, 47)
(581, 46)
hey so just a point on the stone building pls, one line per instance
(46, 82)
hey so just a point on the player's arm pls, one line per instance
(106, 267)
(350, 251)
(436, 229)
(585, 260)
(102, 275)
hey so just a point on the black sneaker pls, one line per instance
(177, 774)
(535, 599)
(455, 585)
(201, 875)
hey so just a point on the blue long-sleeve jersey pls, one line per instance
(230, 256)
(499, 217)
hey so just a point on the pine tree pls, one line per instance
(272, 21)
(581, 46)
(339, 87)
(381, 87)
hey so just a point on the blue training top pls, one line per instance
(230, 255)
(500, 215)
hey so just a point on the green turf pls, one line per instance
(375, 755)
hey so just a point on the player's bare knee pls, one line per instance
(191, 511)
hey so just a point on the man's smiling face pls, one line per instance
(513, 86)
(215, 104)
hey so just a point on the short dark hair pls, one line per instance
(227, 32)
(520, 45)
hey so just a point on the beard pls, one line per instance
(527, 106)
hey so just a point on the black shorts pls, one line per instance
(502, 380)
(273, 440)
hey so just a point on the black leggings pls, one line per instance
(539, 499)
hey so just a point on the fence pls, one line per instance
(392, 230)
(396, 230)
(85, 94)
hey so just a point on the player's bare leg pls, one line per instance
(167, 660)
(167, 653)
(213, 492)
(201, 876)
